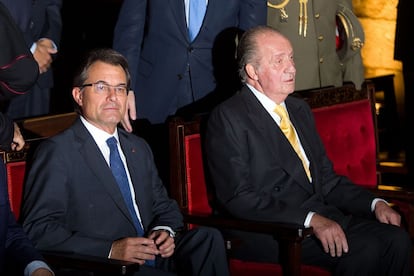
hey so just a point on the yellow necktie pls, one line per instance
(287, 128)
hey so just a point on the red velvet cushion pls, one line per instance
(196, 186)
(347, 131)
(15, 178)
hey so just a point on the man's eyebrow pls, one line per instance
(106, 83)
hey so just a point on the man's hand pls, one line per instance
(136, 250)
(330, 234)
(18, 140)
(43, 54)
(386, 214)
(42, 272)
(164, 242)
(131, 112)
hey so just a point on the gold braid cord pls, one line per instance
(283, 14)
(303, 14)
(278, 6)
(303, 17)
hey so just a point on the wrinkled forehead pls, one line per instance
(277, 48)
(101, 71)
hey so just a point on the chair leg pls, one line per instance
(291, 261)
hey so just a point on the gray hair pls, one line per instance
(247, 50)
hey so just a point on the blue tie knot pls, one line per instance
(111, 142)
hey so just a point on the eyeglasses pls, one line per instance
(101, 88)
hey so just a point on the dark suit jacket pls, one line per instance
(72, 202)
(15, 248)
(153, 36)
(21, 10)
(257, 174)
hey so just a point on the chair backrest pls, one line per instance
(189, 187)
(34, 130)
(346, 122)
(15, 169)
(45, 126)
(187, 166)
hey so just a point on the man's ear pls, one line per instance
(77, 95)
(251, 72)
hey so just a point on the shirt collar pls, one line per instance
(266, 102)
(98, 135)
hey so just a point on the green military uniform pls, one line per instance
(314, 42)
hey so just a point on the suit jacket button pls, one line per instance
(190, 49)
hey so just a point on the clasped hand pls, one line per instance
(43, 54)
(140, 249)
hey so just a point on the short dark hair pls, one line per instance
(105, 55)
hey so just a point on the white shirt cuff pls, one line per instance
(308, 219)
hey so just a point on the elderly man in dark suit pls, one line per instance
(73, 202)
(259, 174)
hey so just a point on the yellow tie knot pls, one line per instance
(285, 124)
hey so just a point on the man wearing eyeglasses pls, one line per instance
(94, 189)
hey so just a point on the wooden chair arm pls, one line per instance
(97, 265)
(289, 236)
(287, 231)
(394, 192)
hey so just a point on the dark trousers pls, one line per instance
(198, 252)
(374, 249)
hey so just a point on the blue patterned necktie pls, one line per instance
(195, 17)
(118, 170)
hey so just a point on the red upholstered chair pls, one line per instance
(346, 121)
(33, 129)
(37, 129)
(15, 169)
(15, 174)
(188, 185)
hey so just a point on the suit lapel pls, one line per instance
(97, 164)
(211, 7)
(178, 9)
(274, 137)
(297, 117)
